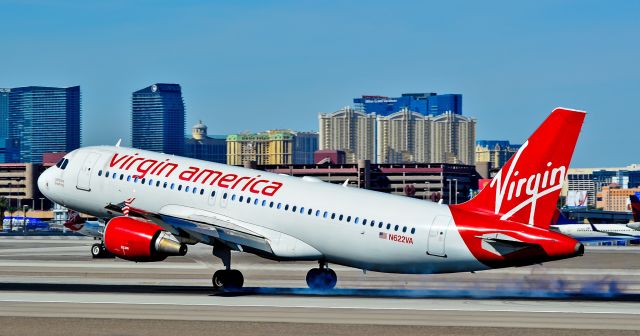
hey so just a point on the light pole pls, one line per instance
(9, 208)
(456, 184)
(25, 208)
(41, 203)
(449, 180)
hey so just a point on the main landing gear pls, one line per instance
(322, 278)
(226, 279)
(99, 251)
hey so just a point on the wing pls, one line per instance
(213, 228)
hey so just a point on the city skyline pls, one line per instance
(254, 66)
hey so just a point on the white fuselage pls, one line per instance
(328, 219)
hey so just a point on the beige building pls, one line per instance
(18, 183)
(496, 152)
(614, 198)
(271, 147)
(453, 139)
(349, 130)
(404, 137)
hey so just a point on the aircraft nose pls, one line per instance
(44, 182)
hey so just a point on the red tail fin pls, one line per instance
(635, 207)
(527, 188)
(74, 221)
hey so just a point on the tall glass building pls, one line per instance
(158, 119)
(4, 129)
(429, 103)
(42, 119)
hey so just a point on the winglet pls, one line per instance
(118, 143)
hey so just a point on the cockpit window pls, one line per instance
(62, 164)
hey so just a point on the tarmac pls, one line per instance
(51, 285)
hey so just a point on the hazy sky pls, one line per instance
(256, 65)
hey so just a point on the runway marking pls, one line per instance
(347, 303)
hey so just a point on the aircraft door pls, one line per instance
(84, 175)
(437, 236)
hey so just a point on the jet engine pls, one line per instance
(142, 241)
(634, 225)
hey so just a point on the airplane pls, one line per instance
(155, 205)
(94, 229)
(635, 210)
(604, 232)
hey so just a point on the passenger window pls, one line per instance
(286, 207)
(233, 197)
(364, 222)
(373, 223)
(240, 199)
(224, 196)
(150, 181)
(325, 214)
(301, 210)
(248, 200)
(255, 201)
(195, 189)
(356, 220)
(380, 225)
(309, 212)
(114, 176)
(264, 202)
(128, 178)
(333, 215)
(99, 172)
(340, 218)
(186, 189)
(143, 180)
(404, 229)
(279, 205)
(165, 185)
(135, 180)
(179, 187)
(213, 193)
(413, 230)
(201, 191)
(106, 174)
(348, 219)
(271, 204)
(172, 184)
(293, 209)
(396, 228)
(317, 213)
(121, 177)
(157, 183)
(388, 226)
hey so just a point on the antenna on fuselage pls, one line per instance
(118, 143)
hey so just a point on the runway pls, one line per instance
(48, 283)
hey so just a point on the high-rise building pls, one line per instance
(497, 152)
(42, 119)
(204, 147)
(350, 130)
(614, 198)
(271, 147)
(4, 115)
(592, 180)
(453, 140)
(424, 103)
(158, 119)
(404, 137)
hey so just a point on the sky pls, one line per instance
(258, 65)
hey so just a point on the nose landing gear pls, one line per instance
(322, 278)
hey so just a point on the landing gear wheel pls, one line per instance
(227, 280)
(100, 251)
(321, 278)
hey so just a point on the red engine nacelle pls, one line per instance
(138, 240)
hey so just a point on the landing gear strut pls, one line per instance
(100, 251)
(322, 278)
(226, 279)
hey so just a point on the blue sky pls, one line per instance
(256, 65)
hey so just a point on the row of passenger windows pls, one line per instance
(317, 213)
(264, 203)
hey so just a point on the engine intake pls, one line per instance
(142, 241)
